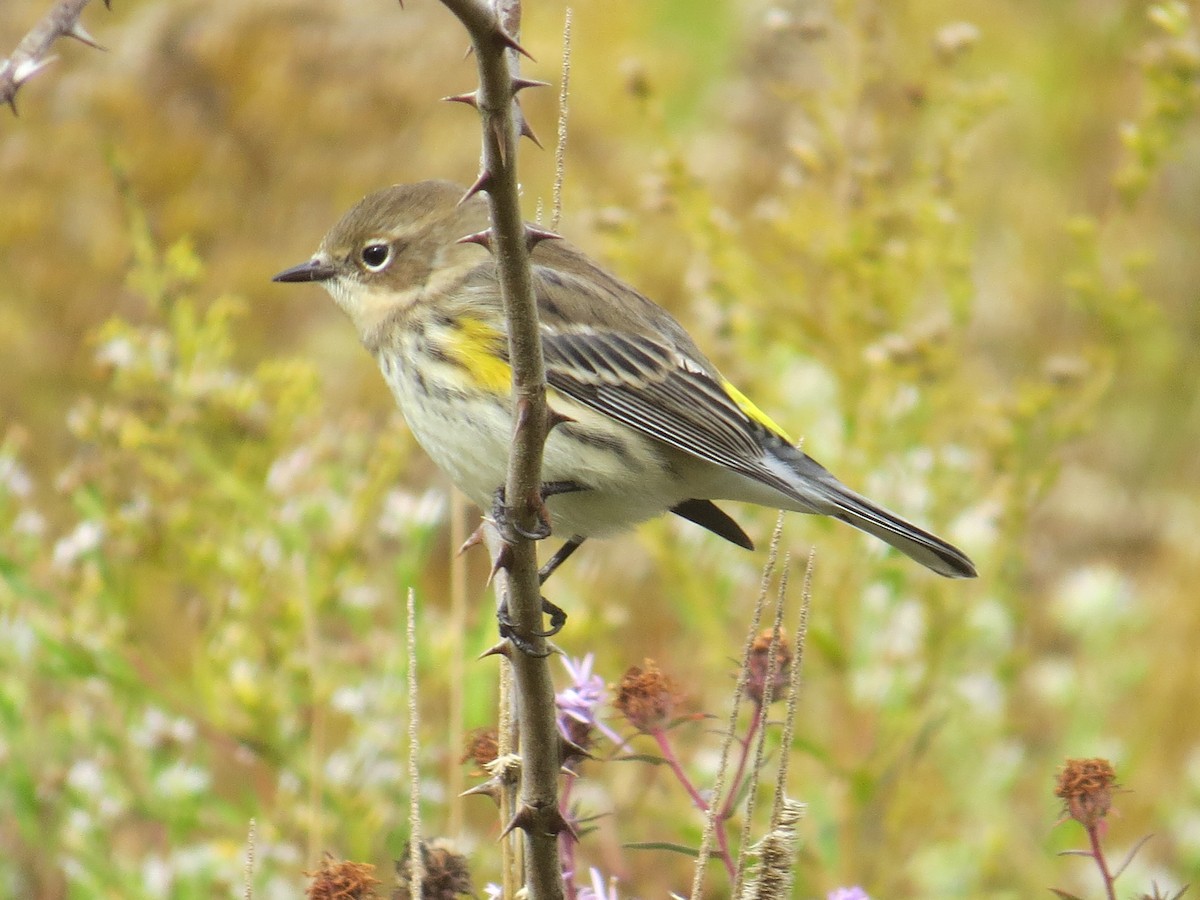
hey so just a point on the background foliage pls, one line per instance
(951, 246)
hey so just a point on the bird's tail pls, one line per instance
(822, 493)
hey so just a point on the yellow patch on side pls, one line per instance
(744, 404)
(479, 348)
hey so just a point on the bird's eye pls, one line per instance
(376, 255)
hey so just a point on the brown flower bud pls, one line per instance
(446, 874)
(646, 697)
(759, 662)
(343, 880)
(1085, 787)
(482, 746)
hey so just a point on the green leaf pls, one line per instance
(641, 757)
(662, 845)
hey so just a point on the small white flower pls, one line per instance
(339, 768)
(403, 511)
(350, 700)
(86, 776)
(117, 352)
(179, 781)
(156, 876)
(955, 38)
(983, 692)
(14, 477)
(29, 522)
(287, 470)
(361, 596)
(1094, 595)
(83, 540)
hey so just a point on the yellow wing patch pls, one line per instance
(756, 414)
(480, 349)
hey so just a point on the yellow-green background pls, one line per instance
(951, 246)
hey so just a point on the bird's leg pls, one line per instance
(508, 528)
(561, 556)
(508, 628)
(558, 618)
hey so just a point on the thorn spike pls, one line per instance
(489, 788)
(498, 136)
(482, 183)
(527, 131)
(483, 239)
(471, 98)
(500, 648)
(533, 237)
(474, 540)
(559, 824)
(523, 819)
(568, 747)
(554, 418)
(512, 44)
(80, 34)
(503, 560)
(519, 84)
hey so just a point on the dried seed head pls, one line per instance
(482, 746)
(759, 663)
(1085, 787)
(342, 880)
(446, 873)
(647, 697)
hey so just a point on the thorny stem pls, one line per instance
(668, 754)
(493, 32)
(62, 20)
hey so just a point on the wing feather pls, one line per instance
(653, 388)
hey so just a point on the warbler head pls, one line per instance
(392, 248)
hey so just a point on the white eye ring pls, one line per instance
(376, 255)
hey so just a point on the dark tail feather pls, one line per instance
(709, 515)
(817, 491)
(927, 549)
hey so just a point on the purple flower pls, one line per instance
(578, 704)
(850, 893)
(598, 890)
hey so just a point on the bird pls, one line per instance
(646, 423)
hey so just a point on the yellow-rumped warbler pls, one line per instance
(651, 425)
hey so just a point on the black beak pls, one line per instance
(313, 270)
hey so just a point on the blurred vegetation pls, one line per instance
(951, 246)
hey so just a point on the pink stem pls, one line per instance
(1110, 889)
(736, 784)
(668, 753)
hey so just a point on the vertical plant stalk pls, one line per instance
(416, 858)
(455, 650)
(793, 695)
(248, 871)
(317, 721)
(711, 824)
(560, 146)
(760, 742)
(493, 39)
(512, 860)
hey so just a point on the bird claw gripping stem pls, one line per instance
(506, 523)
(508, 628)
